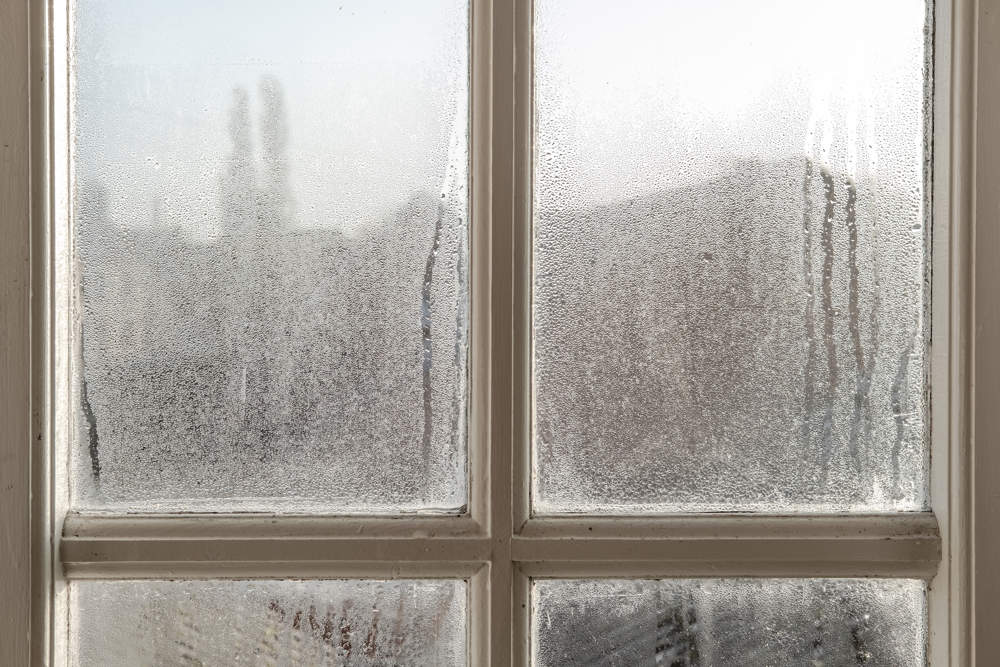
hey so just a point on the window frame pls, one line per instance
(497, 547)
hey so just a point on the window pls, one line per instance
(503, 333)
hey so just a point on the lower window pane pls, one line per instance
(685, 622)
(268, 622)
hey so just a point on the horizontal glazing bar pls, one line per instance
(611, 561)
(258, 526)
(271, 570)
(761, 526)
(272, 549)
(896, 545)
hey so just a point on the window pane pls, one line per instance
(729, 622)
(270, 218)
(131, 623)
(729, 277)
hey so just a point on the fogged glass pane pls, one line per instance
(135, 623)
(729, 226)
(720, 622)
(270, 218)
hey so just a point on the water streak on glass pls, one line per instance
(729, 256)
(722, 622)
(270, 211)
(132, 623)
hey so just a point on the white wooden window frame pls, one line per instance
(498, 546)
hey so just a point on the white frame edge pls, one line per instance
(967, 513)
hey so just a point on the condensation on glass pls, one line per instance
(346, 622)
(729, 285)
(729, 622)
(270, 213)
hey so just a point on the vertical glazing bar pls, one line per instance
(501, 520)
(61, 327)
(521, 369)
(941, 329)
(521, 627)
(479, 628)
(522, 246)
(479, 123)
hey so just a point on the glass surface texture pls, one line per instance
(271, 255)
(137, 623)
(729, 268)
(720, 622)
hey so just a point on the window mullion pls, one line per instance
(505, 393)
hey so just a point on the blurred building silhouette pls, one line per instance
(202, 357)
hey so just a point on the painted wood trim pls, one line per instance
(15, 345)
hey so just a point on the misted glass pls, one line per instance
(270, 219)
(128, 623)
(730, 222)
(683, 622)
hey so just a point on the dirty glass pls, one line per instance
(729, 256)
(270, 228)
(725, 622)
(131, 623)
